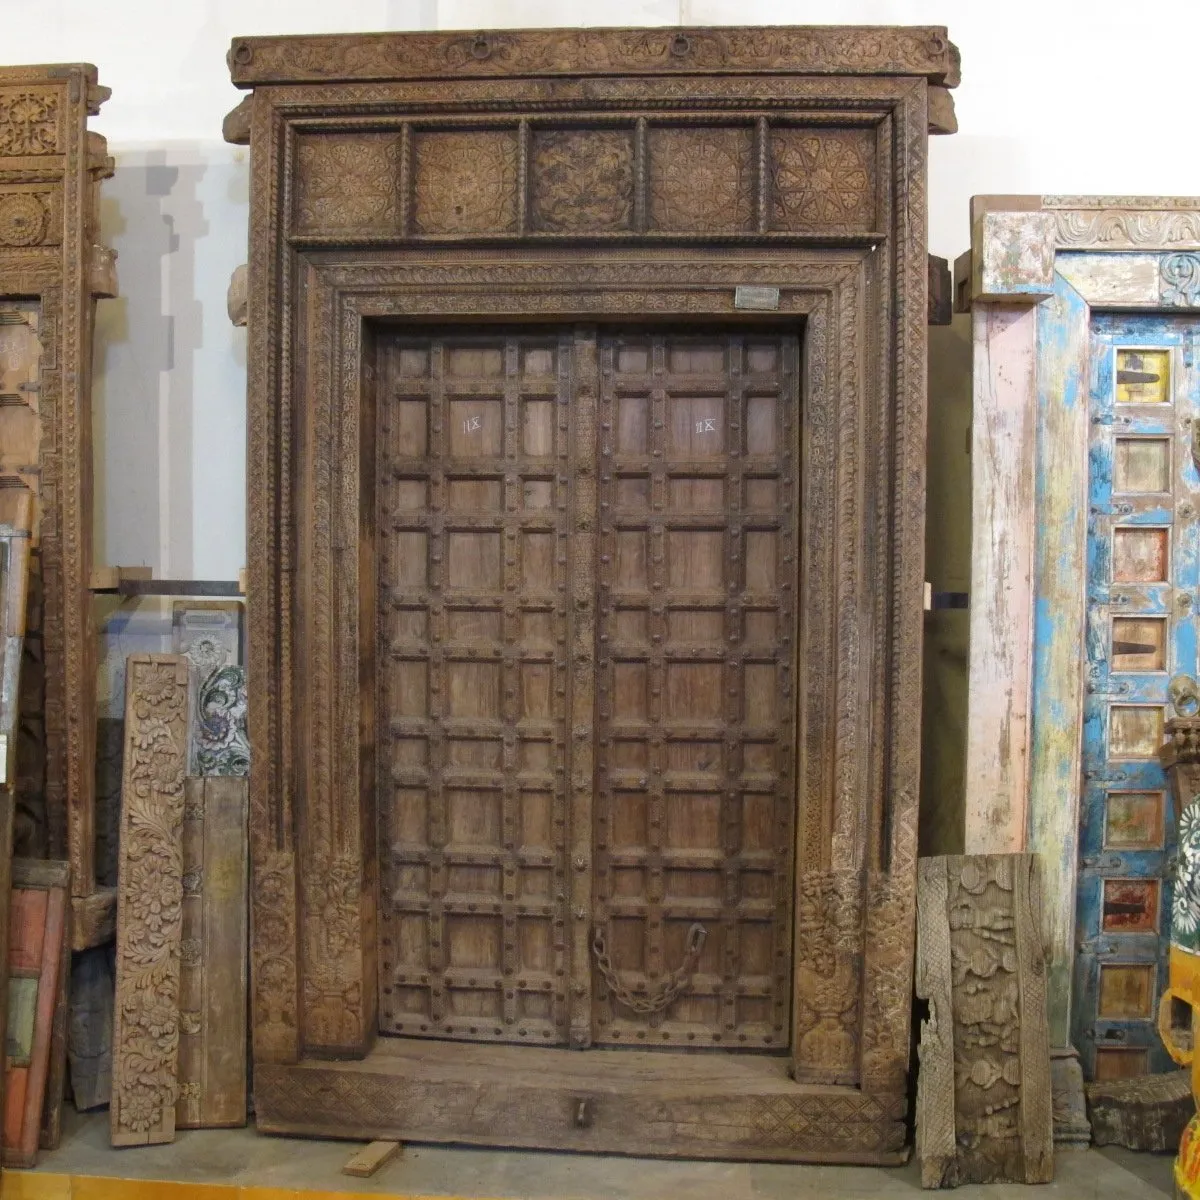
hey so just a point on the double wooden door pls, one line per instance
(586, 712)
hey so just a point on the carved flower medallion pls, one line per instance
(821, 181)
(29, 123)
(22, 220)
(583, 180)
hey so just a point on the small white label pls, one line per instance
(472, 424)
(706, 425)
(761, 298)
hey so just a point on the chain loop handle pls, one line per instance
(664, 996)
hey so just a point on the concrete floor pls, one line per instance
(242, 1157)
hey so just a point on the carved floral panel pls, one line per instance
(823, 180)
(583, 180)
(348, 182)
(29, 121)
(466, 182)
(701, 180)
(29, 216)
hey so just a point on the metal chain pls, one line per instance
(664, 996)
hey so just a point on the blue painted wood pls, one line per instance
(1103, 771)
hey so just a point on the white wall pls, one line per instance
(1067, 96)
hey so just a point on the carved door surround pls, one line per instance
(52, 269)
(580, 181)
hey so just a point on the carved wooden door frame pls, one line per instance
(51, 167)
(323, 276)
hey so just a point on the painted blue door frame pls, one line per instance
(1143, 590)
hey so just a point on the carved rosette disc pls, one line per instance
(22, 220)
(821, 180)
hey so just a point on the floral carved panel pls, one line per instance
(583, 180)
(466, 182)
(701, 180)
(149, 901)
(29, 216)
(30, 122)
(348, 183)
(823, 179)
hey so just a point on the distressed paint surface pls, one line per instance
(1013, 256)
(1102, 278)
(1061, 505)
(1141, 631)
(1002, 456)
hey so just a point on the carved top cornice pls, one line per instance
(1014, 240)
(923, 50)
(78, 76)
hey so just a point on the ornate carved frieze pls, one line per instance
(466, 182)
(347, 183)
(702, 179)
(823, 180)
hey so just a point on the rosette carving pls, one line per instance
(22, 220)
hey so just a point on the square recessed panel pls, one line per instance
(695, 559)
(1133, 821)
(693, 821)
(693, 494)
(473, 817)
(631, 560)
(633, 426)
(1139, 643)
(473, 559)
(696, 426)
(629, 691)
(629, 826)
(1142, 465)
(1131, 905)
(475, 428)
(474, 495)
(474, 362)
(537, 561)
(694, 691)
(1119, 1062)
(1135, 731)
(410, 495)
(761, 437)
(473, 941)
(410, 558)
(1126, 991)
(1140, 555)
(473, 689)
(1143, 376)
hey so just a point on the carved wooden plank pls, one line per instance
(90, 1027)
(149, 896)
(212, 982)
(37, 944)
(984, 1101)
(209, 635)
(362, 1164)
(1148, 1112)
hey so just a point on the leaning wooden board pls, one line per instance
(149, 901)
(39, 940)
(212, 984)
(14, 592)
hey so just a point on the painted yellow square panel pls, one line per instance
(1134, 821)
(1143, 376)
(1135, 731)
(1142, 465)
(1139, 644)
(1140, 555)
(1126, 991)
(1119, 1062)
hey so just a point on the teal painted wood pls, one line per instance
(1114, 935)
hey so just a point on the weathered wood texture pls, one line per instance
(90, 1027)
(983, 1088)
(56, 1074)
(38, 943)
(365, 1162)
(574, 585)
(213, 956)
(149, 901)
(51, 257)
(1002, 483)
(1071, 1126)
(1148, 1112)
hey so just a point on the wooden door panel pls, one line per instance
(695, 796)
(473, 470)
